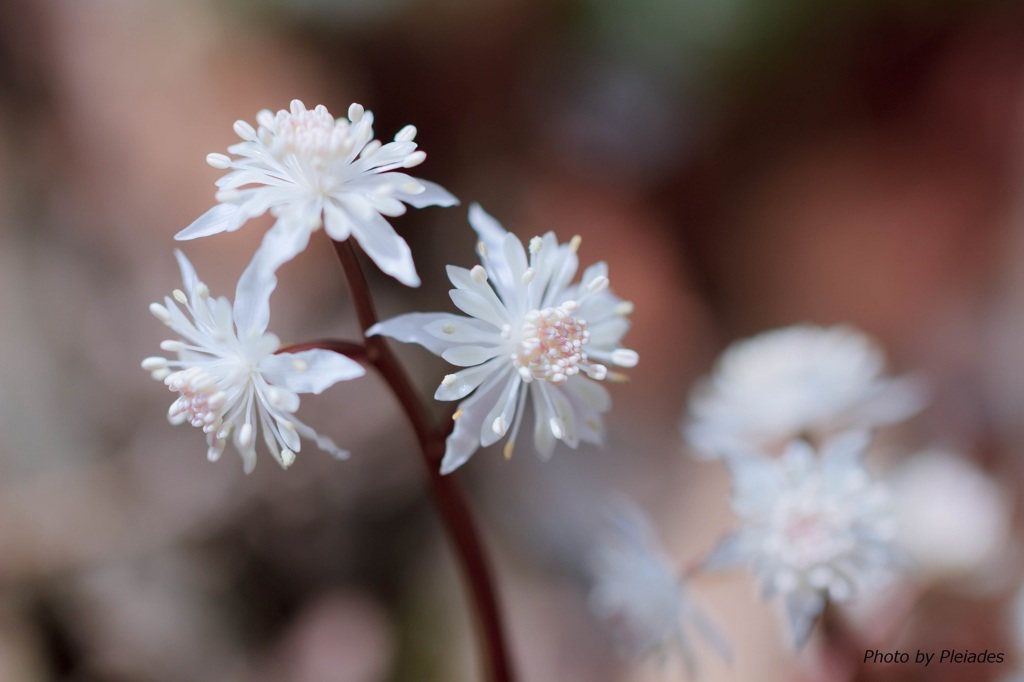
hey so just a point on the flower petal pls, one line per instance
(310, 371)
(543, 438)
(490, 231)
(281, 243)
(893, 401)
(189, 278)
(464, 330)
(730, 553)
(465, 437)
(220, 218)
(418, 327)
(465, 381)
(475, 305)
(502, 412)
(389, 251)
(433, 194)
(322, 442)
(802, 611)
(336, 222)
(467, 356)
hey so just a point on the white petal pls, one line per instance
(458, 329)
(493, 235)
(389, 251)
(730, 553)
(590, 393)
(504, 409)
(711, 633)
(598, 269)
(589, 400)
(563, 269)
(281, 243)
(465, 437)
(418, 327)
(895, 400)
(755, 480)
(608, 333)
(844, 450)
(310, 371)
(432, 195)
(464, 381)
(515, 257)
(543, 439)
(802, 611)
(220, 218)
(336, 222)
(490, 231)
(467, 356)
(189, 278)
(475, 305)
(565, 414)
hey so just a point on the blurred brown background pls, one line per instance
(741, 165)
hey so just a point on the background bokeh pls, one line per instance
(740, 164)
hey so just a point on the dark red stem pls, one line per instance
(448, 495)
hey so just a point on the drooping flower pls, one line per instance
(812, 527)
(229, 380)
(793, 382)
(309, 169)
(529, 332)
(640, 597)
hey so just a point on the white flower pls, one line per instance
(228, 376)
(953, 518)
(812, 528)
(530, 333)
(310, 170)
(640, 596)
(794, 382)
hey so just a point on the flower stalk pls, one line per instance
(447, 492)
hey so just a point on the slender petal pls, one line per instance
(220, 218)
(421, 328)
(310, 371)
(259, 279)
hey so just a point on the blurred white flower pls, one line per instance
(530, 332)
(638, 594)
(309, 169)
(228, 376)
(953, 518)
(812, 528)
(796, 381)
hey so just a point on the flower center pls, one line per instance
(201, 403)
(551, 344)
(311, 135)
(812, 537)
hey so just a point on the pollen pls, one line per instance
(551, 344)
(200, 402)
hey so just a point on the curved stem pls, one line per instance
(446, 490)
(351, 349)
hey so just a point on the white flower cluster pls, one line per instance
(813, 526)
(796, 381)
(530, 334)
(311, 170)
(530, 330)
(228, 376)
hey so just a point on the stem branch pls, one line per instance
(448, 495)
